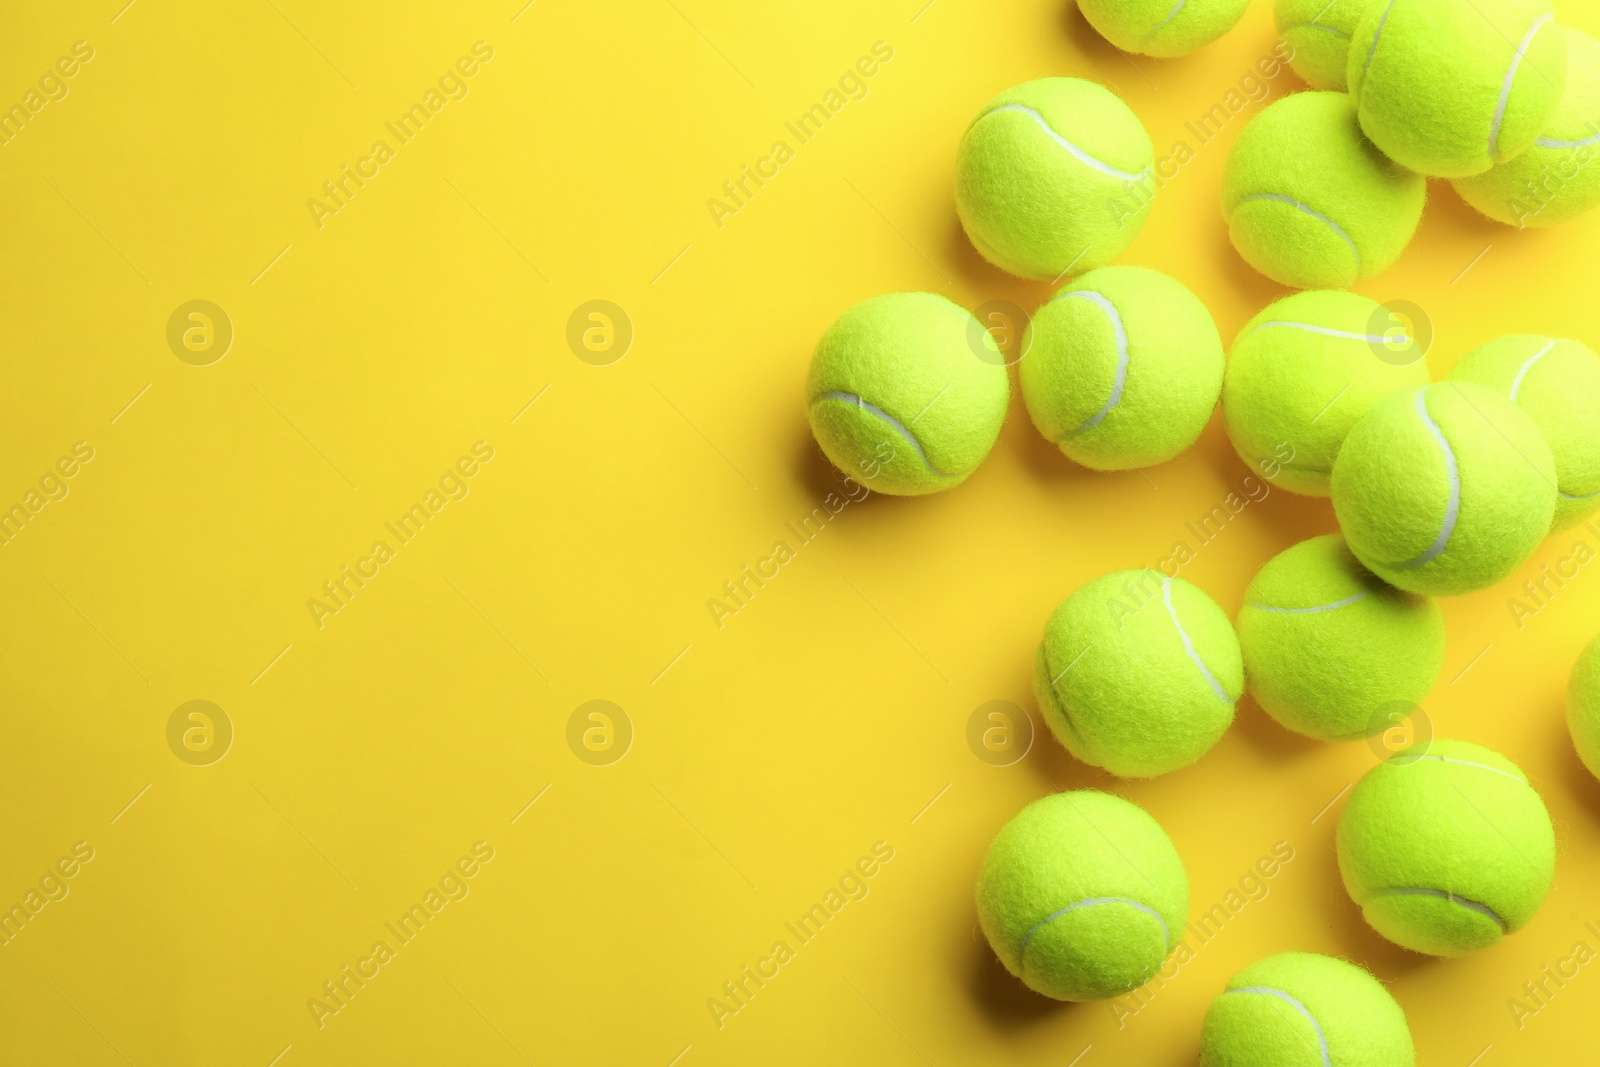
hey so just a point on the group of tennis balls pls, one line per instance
(1439, 489)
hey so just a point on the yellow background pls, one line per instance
(769, 754)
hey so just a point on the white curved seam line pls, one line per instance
(1320, 607)
(852, 398)
(1372, 50)
(1158, 27)
(1319, 216)
(1293, 1002)
(1470, 905)
(1022, 949)
(1336, 31)
(1551, 142)
(1077, 153)
(1188, 645)
(1578, 496)
(1120, 380)
(1522, 372)
(1453, 509)
(1462, 763)
(1326, 332)
(1505, 88)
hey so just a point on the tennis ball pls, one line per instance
(1444, 489)
(1449, 89)
(1054, 175)
(1558, 384)
(1301, 1008)
(901, 398)
(1583, 707)
(1123, 368)
(1138, 673)
(1318, 35)
(1557, 179)
(1310, 203)
(1159, 27)
(1082, 896)
(1327, 644)
(1446, 848)
(1302, 372)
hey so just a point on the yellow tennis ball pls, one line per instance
(1138, 673)
(1082, 896)
(1054, 176)
(1557, 179)
(1446, 848)
(1299, 1009)
(1557, 383)
(907, 393)
(1327, 645)
(1162, 28)
(1583, 707)
(1450, 88)
(1318, 34)
(1123, 368)
(1302, 372)
(1310, 203)
(1445, 489)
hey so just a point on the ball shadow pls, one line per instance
(814, 473)
(1263, 734)
(1575, 778)
(1003, 1001)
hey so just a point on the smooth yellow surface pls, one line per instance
(769, 754)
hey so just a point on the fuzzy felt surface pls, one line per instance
(1162, 28)
(1082, 895)
(1310, 202)
(1330, 649)
(1123, 368)
(1557, 382)
(1450, 89)
(1444, 490)
(1446, 847)
(1557, 179)
(1301, 373)
(1299, 1009)
(1138, 673)
(1319, 32)
(1583, 707)
(906, 393)
(1035, 207)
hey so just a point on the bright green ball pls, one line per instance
(1299, 1009)
(1138, 673)
(1444, 490)
(1446, 848)
(1302, 372)
(1304, 1010)
(1583, 707)
(1122, 368)
(1159, 27)
(1449, 88)
(1082, 896)
(1310, 203)
(1054, 175)
(1318, 34)
(1328, 646)
(1557, 179)
(1557, 383)
(906, 393)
